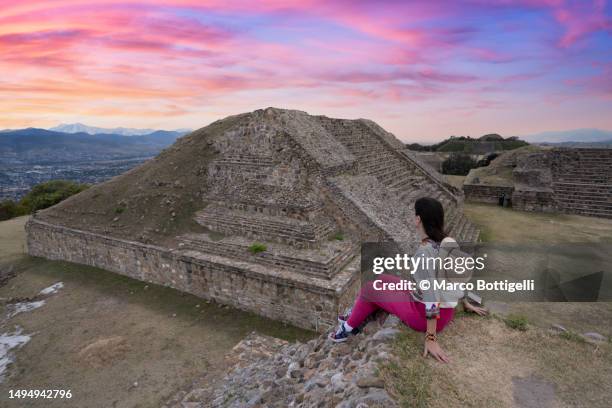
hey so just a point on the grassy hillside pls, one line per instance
(151, 203)
(466, 144)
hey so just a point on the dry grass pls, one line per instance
(455, 181)
(492, 363)
(104, 351)
(505, 225)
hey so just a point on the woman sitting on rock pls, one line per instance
(426, 311)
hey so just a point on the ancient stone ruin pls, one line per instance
(572, 181)
(264, 211)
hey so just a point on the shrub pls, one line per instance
(257, 248)
(517, 322)
(570, 335)
(338, 236)
(10, 209)
(458, 164)
(50, 193)
(40, 196)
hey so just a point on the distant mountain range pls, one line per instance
(92, 130)
(575, 136)
(34, 145)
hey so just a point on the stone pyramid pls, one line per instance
(285, 200)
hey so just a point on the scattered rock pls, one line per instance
(558, 328)
(388, 333)
(370, 381)
(294, 370)
(377, 397)
(596, 337)
(532, 392)
(268, 372)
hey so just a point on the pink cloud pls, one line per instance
(580, 20)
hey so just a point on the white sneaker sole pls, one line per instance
(337, 340)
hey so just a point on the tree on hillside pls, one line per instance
(41, 196)
(50, 193)
(458, 164)
(10, 209)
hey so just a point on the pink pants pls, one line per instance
(399, 303)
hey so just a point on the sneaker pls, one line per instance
(343, 318)
(341, 335)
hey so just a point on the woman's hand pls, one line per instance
(469, 307)
(432, 347)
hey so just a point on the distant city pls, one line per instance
(74, 152)
(16, 180)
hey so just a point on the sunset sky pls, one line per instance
(423, 70)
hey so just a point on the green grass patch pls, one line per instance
(409, 377)
(572, 336)
(338, 236)
(516, 322)
(257, 247)
(41, 196)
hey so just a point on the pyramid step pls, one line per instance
(265, 227)
(587, 212)
(583, 205)
(587, 201)
(406, 181)
(324, 261)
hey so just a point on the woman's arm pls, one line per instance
(469, 307)
(431, 343)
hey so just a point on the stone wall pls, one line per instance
(582, 181)
(303, 301)
(533, 183)
(540, 200)
(482, 193)
(573, 181)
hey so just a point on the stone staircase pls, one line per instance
(582, 181)
(400, 176)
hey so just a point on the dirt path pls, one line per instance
(113, 341)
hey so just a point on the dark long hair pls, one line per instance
(431, 213)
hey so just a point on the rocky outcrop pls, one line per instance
(267, 372)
